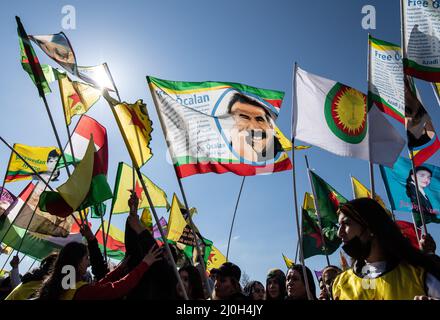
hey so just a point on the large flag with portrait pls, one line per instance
(401, 189)
(220, 127)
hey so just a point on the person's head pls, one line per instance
(275, 285)
(73, 254)
(52, 159)
(192, 282)
(253, 125)
(423, 175)
(213, 273)
(254, 290)
(367, 231)
(295, 283)
(328, 275)
(227, 282)
(46, 267)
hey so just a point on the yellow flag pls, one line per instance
(309, 202)
(123, 185)
(285, 143)
(42, 159)
(135, 126)
(147, 220)
(176, 222)
(302, 147)
(77, 97)
(289, 263)
(76, 188)
(361, 191)
(5, 249)
(215, 259)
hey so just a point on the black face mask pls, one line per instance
(356, 249)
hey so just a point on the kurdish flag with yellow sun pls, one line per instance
(333, 116)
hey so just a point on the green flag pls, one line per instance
(312, 239)
(29, 61)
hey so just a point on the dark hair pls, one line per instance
(311, 282)
(419, 168)
(71, 254)
(240, 97)
(53, 154)
(45, 268)
(394, 245)
(280, 278)
(249, 288)
(331, 267)
(195, 287)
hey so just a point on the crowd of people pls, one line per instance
(384, 266)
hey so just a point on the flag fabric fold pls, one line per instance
(123, 185)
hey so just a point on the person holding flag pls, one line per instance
(386, 266)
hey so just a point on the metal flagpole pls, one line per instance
(233, 217)
(318, 212)
(295, 196)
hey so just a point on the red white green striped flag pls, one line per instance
(115, 241)
(220, 127)
(29, 61)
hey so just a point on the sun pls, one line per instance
(350, 111)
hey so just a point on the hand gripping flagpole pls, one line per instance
(150, 202)
(191, 224)
(233, 217)
(295, 196)
(318, 213)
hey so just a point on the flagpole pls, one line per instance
(297, 251)
(6, 173)
(318, 213)
(162, 234)
(416, 182)
(7, 259)
(435, 92)
(369, 105)
(191, 224)
(35, 260)
(153, 209)
(35, 172)
(295, 196)
(233, 217)
(352, 186)
(104, 240)
(18, 214)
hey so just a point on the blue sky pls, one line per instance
(248, 41)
